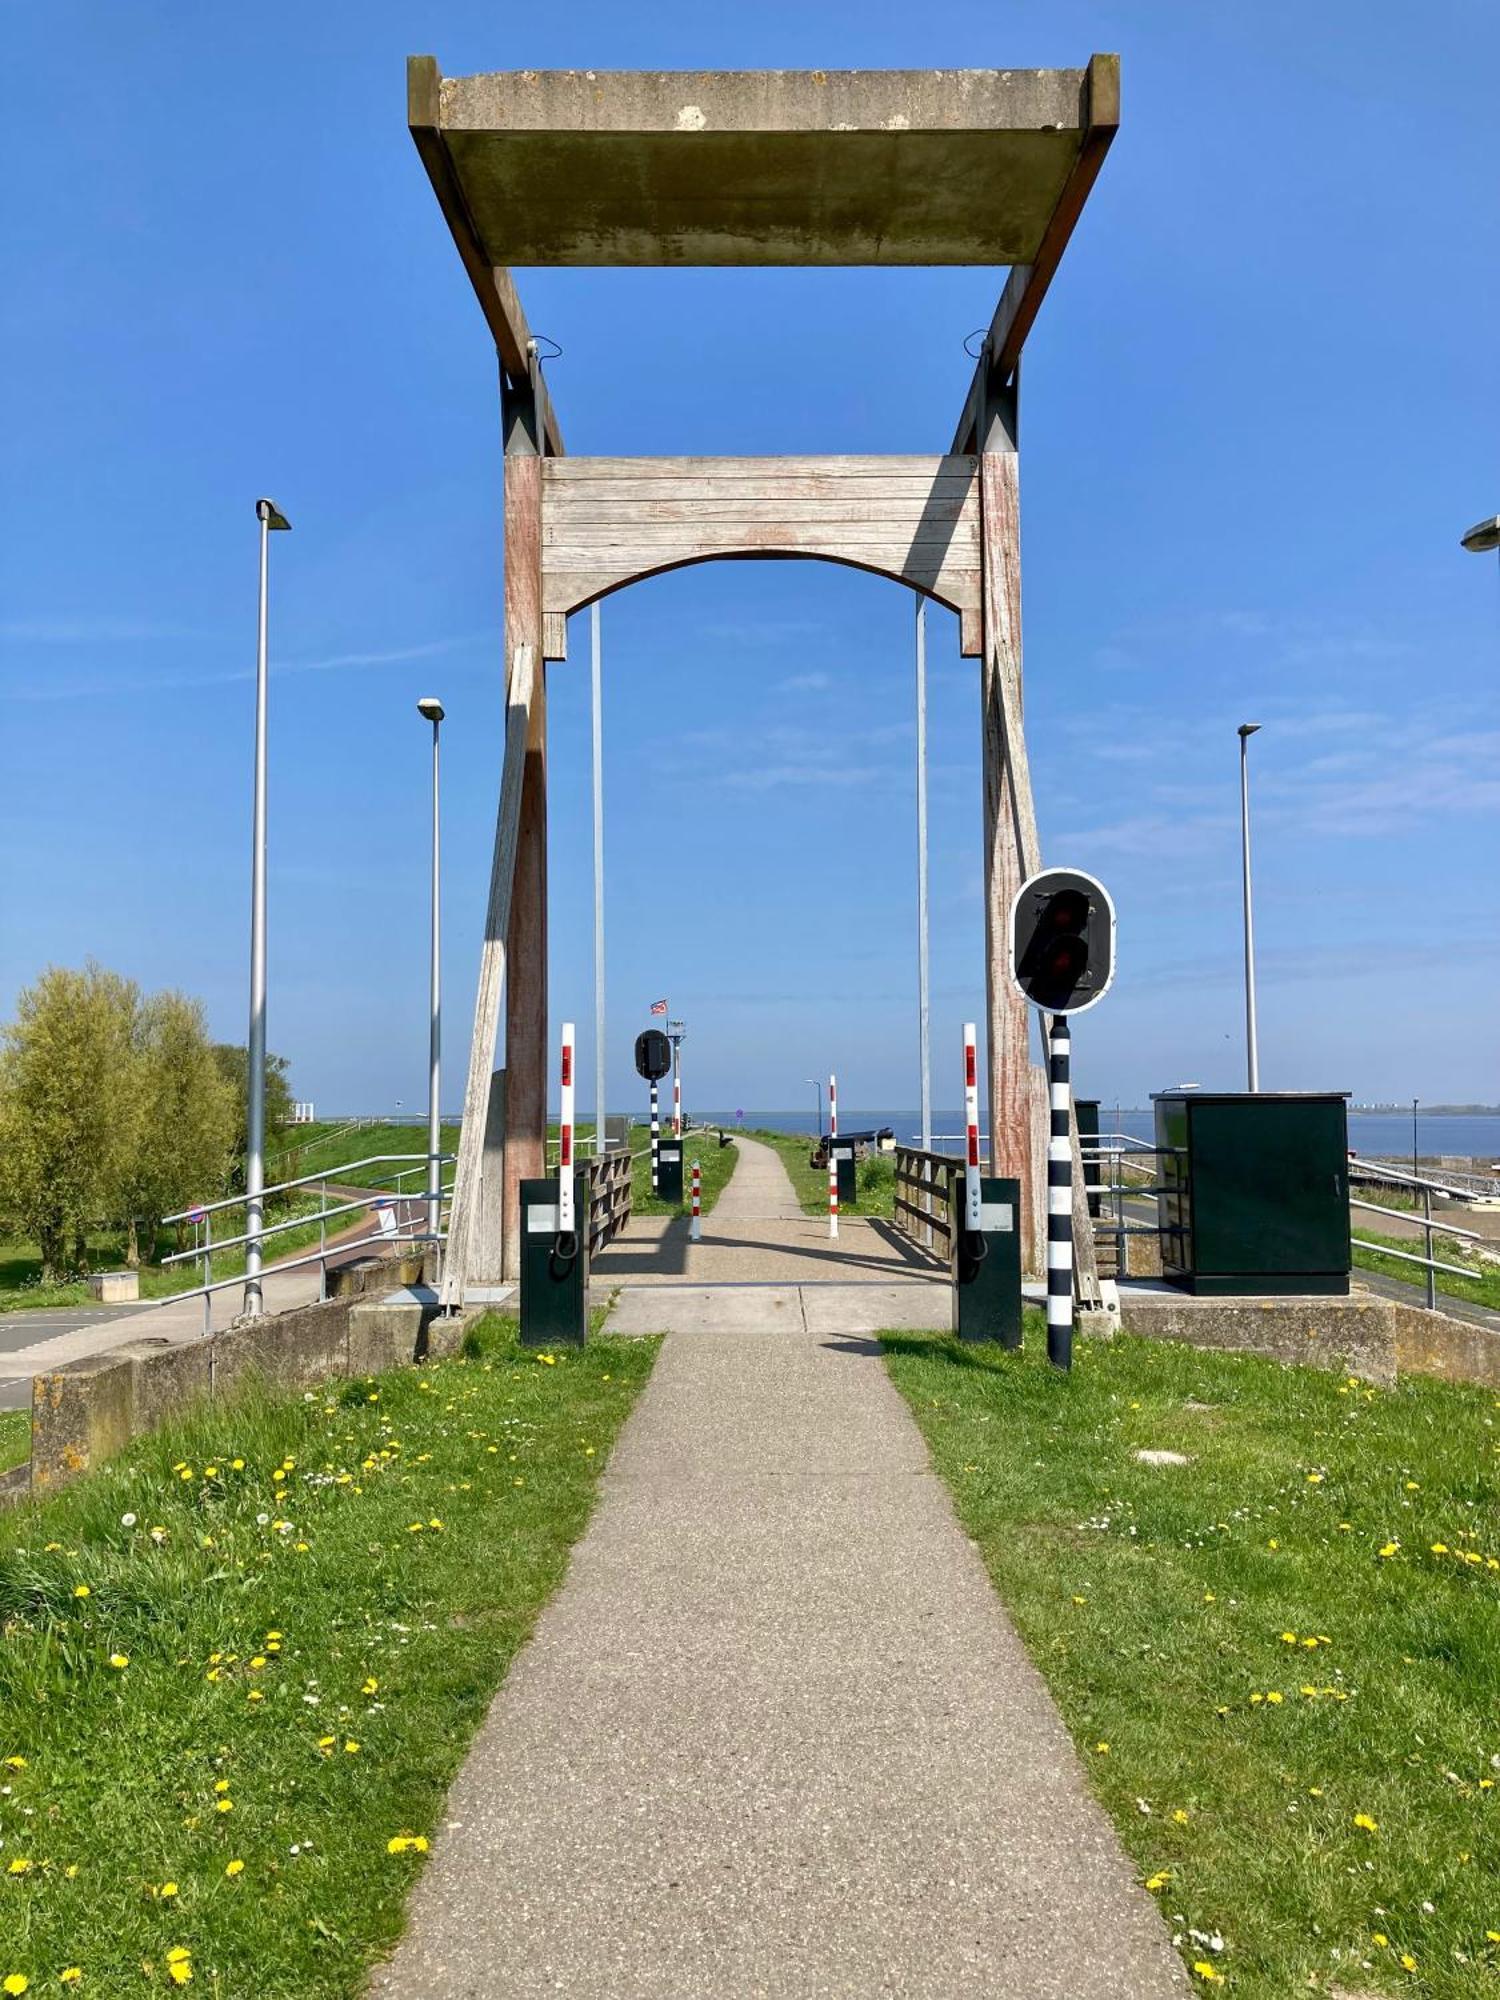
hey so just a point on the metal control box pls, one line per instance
(669, 1171)
(554, 1269)
(844, 1160)
(987, 1269)
(1253, 1190)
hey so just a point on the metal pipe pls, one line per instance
(923, 1018)
(255, 1052)
(1252, 1048)
(598, 676)
(435, 992)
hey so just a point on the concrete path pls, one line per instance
(775, 1735)
(757, 1232)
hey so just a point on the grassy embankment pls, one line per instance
(876, 1176)
(1277, 1660)
(1483, 1289)
(241, 1664)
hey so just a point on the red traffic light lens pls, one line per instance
(1066, 911)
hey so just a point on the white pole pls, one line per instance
(1252, 1050)
(972, 1212)
(435, 979)
(923, 1041)
(255, 1052)
(566, 1222)
(676, 1087)
(599, 1099)
(833, 1165)
(695, 1227)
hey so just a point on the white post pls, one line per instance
(833, 1165)
(598, 884)
(971, 1129)
(923, 1040)
(566, 1216)
(435, 1002)
(676, 1089)
(255, 1048)
(1252, 1050)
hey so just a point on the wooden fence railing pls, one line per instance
(929, 1197)
(608, 1179)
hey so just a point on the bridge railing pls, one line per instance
(607, 1176)
(928, 1198)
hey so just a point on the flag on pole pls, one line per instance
(658, 1006)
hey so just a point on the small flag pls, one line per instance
(658, 1006)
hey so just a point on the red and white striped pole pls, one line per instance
(695, 1227)
(566, 1218)
(833, 1165)
(971, 1130)
(676, 1093)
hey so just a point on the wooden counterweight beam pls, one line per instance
(1027, 284)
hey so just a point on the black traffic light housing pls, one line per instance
(653, 1055)
(1062, 940)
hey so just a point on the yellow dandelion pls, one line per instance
(1288, 1638)
(1101, 1749)
(167, 1889)
(14, 1982)
(20, 1866)
(1315, 1479)
(255, 1695)
(233, 1868)
(1180, 1816)
(1440, 1548)
(371, 1685)
(351, 1748)
(1206, 1972)
(1364, 1822)
(1408, 1963)
(1157, 1882)
(15, 1763)
(1380, 1938)
(1274, 1698)
(1390, 1548)
(223, 1805)
(82, 1590)
(1080, 1600)
(119, 1661)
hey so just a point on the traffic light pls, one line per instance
(1062, 940)
(653, 1055)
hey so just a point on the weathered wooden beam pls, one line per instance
(1027, 284)
(493, 286)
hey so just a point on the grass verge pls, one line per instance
(1278, 1660)
(1483, 1289)
(15, 1438)
(242, 1663)
(718, 1164)
(876, 1176)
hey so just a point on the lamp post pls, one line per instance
(432, 709)
(1252, 1048)
(924, 1046)
(1414, 1144)
(817, 1084)
(270, 518)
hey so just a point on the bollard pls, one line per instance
(833, 1165)
(554, 1251)
(695, 1230)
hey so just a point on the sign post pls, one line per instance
(833, 1165)
(653, 1058)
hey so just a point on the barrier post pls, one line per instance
(833, 1165)
(655, 1135)
(1060, 1202)
(567, 1220)
(695, 1228)
(971, 1130)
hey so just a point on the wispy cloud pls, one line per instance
(105, 629)
(804, 684)
(166, 683)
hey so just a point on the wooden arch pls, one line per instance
(609, 522)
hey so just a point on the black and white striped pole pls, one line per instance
(655, 1134)
(1060, 1200)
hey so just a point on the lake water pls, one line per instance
(1385, 1134)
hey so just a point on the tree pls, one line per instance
(186, 1118)
(234, 1067)
(68, 1109)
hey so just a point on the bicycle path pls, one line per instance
(775, 1735)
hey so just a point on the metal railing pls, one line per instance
(1430, 1264)
(401, 1217)
(1121, 1154)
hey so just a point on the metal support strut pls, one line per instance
(1060, 1201)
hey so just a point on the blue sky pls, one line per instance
(1260, 407)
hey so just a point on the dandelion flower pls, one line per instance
(1380, 1938)
(221, 1785)
(371, 1685)
(168, 1889)
(233, 1868)
(119, 1661)
(20, 1866)
(1440, 1548)
(1101, 1749)
(1408, 1963)
(1180, 1817)
(1157, 1882)
(15, 1763)
(82, 1590)
(1080, 1600)
(15, 1982)
(1205, 1971)
(223, 1805)
(1364, 1822)
(352, 1747)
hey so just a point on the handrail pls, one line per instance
(935, 1175)
(284, 1264)
(378, 1197)
(202, 1208)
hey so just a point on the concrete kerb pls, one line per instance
(88, 1410)
(1354, 1335)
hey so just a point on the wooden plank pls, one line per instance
(1027, 285)
(569, 548)
(592, 514)
(468, 1174)
(834, 466)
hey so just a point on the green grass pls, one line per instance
(876, 1176)
(15, 1438)
(429, 1513)
(1154, 1600)
(1483, 1289)
(718, 1164)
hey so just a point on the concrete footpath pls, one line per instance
(775, 1735)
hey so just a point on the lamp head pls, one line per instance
(430, 707)
(1247, 729)
(1484, 537)
(271, 514)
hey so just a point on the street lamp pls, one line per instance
(431, 709)
(1252, 1049)
(817, 1084)
(270, 518)
(1484, 537)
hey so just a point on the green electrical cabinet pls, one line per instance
(1253, 1190)
(554, 1268)
(848, 1173)
(987, 1266)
